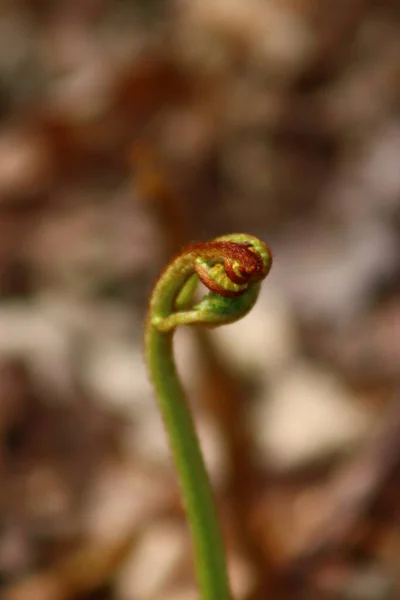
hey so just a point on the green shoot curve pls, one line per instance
(232, 268)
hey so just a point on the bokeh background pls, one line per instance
(127, 130)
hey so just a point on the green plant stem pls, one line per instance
(228, 301)
(189, 462)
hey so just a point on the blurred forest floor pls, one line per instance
(127, 130)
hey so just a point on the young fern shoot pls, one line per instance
(232, 268)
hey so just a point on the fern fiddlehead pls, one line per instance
(232, 268)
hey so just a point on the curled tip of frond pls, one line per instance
(227, 267)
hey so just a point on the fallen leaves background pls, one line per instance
(127, 130)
